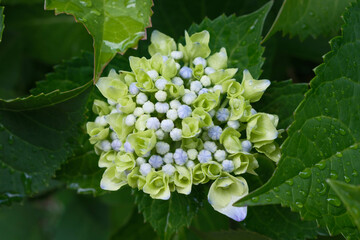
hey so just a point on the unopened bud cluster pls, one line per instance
(180, 119)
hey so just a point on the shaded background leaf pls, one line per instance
(2, 26)
(323, 140)
(114, 25)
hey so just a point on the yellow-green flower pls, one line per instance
(222, 75)
(183, 180)
(117, 122)
(112, 88)
(101, 108)
(204, 117)
(174, 91)
(142, 142)
(168, 69)
(271, 150)
(207, 101)
(253, 89)
(224, 192)
(96, 132)
(197, 45)
(218, 60)
(144, 82)
(124, 161)
(112, 179)
(232, 88)
(230, 139)
(107, 159)
(135, 179)
(212, 169)
(199, 175)
(157, 185)
(262, 127)
(244, 162)
(127, 105)
(190, 127)
(161, 43)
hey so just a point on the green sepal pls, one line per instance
(253, 89)
(127, 104)
(157, 185)
(117, 122)
(204, 117)
(232, 88)
(144, 82)
(174, 91)
(244, 162)
(207, 101)
(218, 60)
(183, 180)
(135, 179)
(262, 127)
(271, 150)
(222, 75)
(190, 127)
(212, 169)
(192, 143)
(107, 159)
(196, 45)
(96, 132)
(161, 43)
(157, 62)
(140, 123)
(112, 180)
(229, 138)
(124, 162)
(142, 142)
(112, 87)
(198, 71)
(137, 64)
(238, 106)
(168, 69)
(199, 175)
(100, 107)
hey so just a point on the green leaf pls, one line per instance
(238, 234)
(350, 196)
(240, 36)
(2, 25)
(309, 17)
(168, 217)
(281, 99)
(114, 25)
(36, 137)
(323, 140)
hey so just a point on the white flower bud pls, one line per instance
(116, 145)
(153, 74)
(105, 145)
(185, 72)
(212, 113)
(199, 60)
(160, 96)
(218, 87)
(168, 169)
(205, 81)
(141, 98)
(223, 114)
(162, 148)
(192, 154)
(168, 158)
(128, 148)
(210, 146)
(113, 136)
(220, 155)
(177, 81)
(160, 134)
(189, 98)
(175, 104)
(161, 83)
(246, 146)
(140, 161)
(177, 55)
(209, 70)
(184, 111)
(161, 107)
(133, 89)
(172, 114)
(176, 134)
(204, 156)
(130, 120)
(196, 86)
(177, 65)
(190, 164)
(153, 123)
(156, 161)
(203, 90)
(112, 103)
(228, 165)
(101, 120)
(233, 124)
(148, 107)
(145, 169)
(180, 156)
(138, 111)
(215, 132)
(167, 125)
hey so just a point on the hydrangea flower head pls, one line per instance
(179, 119)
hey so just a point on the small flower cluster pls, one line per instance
(181, 119)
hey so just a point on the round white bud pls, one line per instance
(113, 136)
(172, 114)
(177, 81)
(253, 111)
(167, 125)
(156, 161)
(184, 111)
(161, 107)
(199, 60)
(168, 158)
(209, 70)
(204, 156)
(128, 148)
(153, 74)
(160, 96)
(177, 65)
(218, 87)
(116, 145)
(133, 89)
(190, 164)
(210, 146)
(101, 120)
(220, 155)
(148, 107)
(205, 81)
(176, 134)
(160, 134)
(228, 165)
(168, 169)
(138, 111)
(196, 86)
(162, 148)
(161, 83)
(105, 145)
(180, 156)
(189, 98)
(185, 72)
(246, 146)
(192, 154)
(175, 104)
(112, 103)
(130, 120)
(140, 161)
(233, 124)
(153, 123)
(145, 169)
(141, 98)
(177, 55)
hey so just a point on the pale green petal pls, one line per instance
(190, 127)
(224, 192)
(112, 88)
(124, 162)
(261, 127)
(142, 142)
(144, 82)
(127, 104)
(183, 180)
(135, 179)
(212, 169)
(218, 60)
(174, 91)
(192, 143)
(199, 175)
(96, 132)
(198, 71)
(253, 89)
(230, 139)
(197, 45)
(207, 101)
(222, 75)
(117, 122)
(157, 62)
(157, 185)
(100, 107)
(140, 124)
(244, 162)
(204, 117)
(271, 150)
(161, 43)
(113, 180)
(168, 69)
(107, 159)
(137, 64)
(232, 88)
(238, 107)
